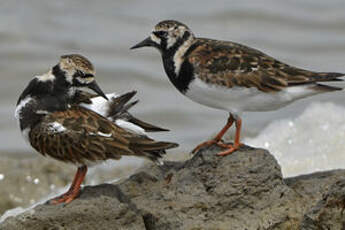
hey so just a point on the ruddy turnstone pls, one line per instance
(230, 76)
(58, 123)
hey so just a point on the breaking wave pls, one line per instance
(311, 142)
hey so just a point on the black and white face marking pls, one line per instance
(166, 36)
(78, 72)
(176, 38)
(170, 35)
(172, 39)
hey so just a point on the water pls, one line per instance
(311, 142)
(309, 34)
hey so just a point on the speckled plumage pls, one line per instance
(54, 118)
(77, 61)
(229, 76)
(86, 137)
(59, 126)
(230, 64)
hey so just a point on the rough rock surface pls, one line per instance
(328, 213)
(242, 191)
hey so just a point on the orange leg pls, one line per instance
(74, 189)
(237, 144)
(219, 136)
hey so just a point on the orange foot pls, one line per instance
(74, 190)
(205, 144)
(65, 198)
(230, 148)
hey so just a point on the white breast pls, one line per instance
(240, 99)
(25, 133)
(17, 114)
(20, 106)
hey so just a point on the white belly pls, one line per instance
(240, 99)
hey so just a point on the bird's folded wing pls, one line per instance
(230, 64)
(78, 135)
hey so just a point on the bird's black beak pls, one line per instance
(147, 42)
(94, 86)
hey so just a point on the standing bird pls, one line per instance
(54, 120)
(230, 76)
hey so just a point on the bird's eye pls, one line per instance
(88, 75)
(83, 75)
(160, 34)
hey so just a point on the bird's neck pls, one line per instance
(176, 64)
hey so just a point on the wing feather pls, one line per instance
(79, 135)
(231, 64)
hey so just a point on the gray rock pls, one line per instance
(314, 186)
(210, 192)
(99, 207)
(328, 213)
(242, 191)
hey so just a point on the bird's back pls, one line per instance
(230, 64)
(79, 135)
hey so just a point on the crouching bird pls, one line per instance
(59, 121)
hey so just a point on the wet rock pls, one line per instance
(242, 191)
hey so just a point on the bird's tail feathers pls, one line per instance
(146, 126)
(329, 81)
(153, 150)
(119, 107)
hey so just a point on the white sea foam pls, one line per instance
(313, 141)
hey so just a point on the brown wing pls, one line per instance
(79, 135)
(229, 64)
